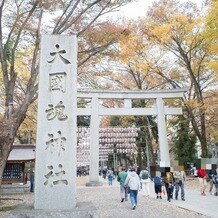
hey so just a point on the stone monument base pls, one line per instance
(82, 210)
(94, 184)
(15, 188)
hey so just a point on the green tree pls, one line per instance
(115, 121)
(184, 143)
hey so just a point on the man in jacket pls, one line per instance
(123, 189)
(212, 175)
(179, 178)
(133, 182)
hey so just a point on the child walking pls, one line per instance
(158, 185)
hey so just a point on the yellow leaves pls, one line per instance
(212, 19)
(213, 64)
(133, 51)
(172, 102)
(163, 32)
(193, 103)
(178, 25)
(21, 68)
(214, 135)
(175, 74)
(211, 99)
(211, 31)
(182, 20)
(29, 124)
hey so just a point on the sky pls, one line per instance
(136, 9)
(139, 8)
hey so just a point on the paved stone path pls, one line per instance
(107, 200)
(109, 203)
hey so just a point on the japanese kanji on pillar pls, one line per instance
(56, 124)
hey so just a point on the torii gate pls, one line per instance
(95, 112)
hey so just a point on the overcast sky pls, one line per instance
(139, 8)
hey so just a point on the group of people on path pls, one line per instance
(213, 180)
(129, 184)
(168, 182)
(133, 180)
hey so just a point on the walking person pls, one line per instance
(32, 180)
(179, 178)
(202, 180)
(104, 172)
(158, 185)
(212, 174)
(194, 171)
(110, 176)
(133, 182)
(168, 182)
(145, 182)
(123, 189)
(138, 171)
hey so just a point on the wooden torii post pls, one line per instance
(95, 111)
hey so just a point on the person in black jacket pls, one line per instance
(168, 182)
(212, 174)
(32, 180)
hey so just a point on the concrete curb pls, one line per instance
(10, 207)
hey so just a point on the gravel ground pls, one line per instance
(107, 201)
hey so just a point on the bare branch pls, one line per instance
(57, 28)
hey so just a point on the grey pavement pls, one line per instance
(206, 205)
(107, 201)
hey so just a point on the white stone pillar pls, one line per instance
(94, 144)
(55, 170)
(162, 133)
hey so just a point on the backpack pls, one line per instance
(110, 173)
(144, 174)
(201, 173)
(157, 180)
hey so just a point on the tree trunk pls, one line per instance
(200, 132)
(139, 156)
(9, 126)
(203, 139)
(6, 147)
(204, 149)
(149, 144)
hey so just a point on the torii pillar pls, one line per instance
(162, 133)
(94, 144)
